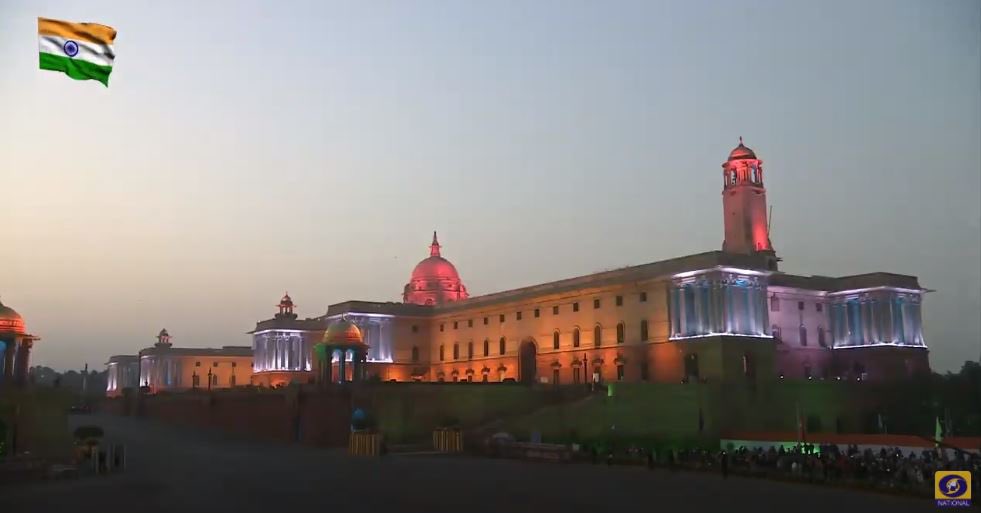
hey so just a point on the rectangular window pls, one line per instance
(518, 316)
(441, 326)
(619, 300)
(555, 376)
(415, 328)
(596, 303)
(803, 336)
(643, 371)
(643, 297)
(619, 372)
(233, 364)
(197, 364)
(485, 321)
(502, 317)
(456, 351)
(643, 330)
(555, 310)
(442, 353)
(800, 305)
(537, 313)
(575, 307)
(214, 364)
(575, 375)
(774, 303)
(470, 323)
(819, 307)
(455, 325)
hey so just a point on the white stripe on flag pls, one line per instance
(91, 52)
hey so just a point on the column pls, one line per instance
(23, 361)
(328, 366)
(9, 354)
(342, 375)
(3, 359)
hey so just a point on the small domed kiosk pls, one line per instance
(15, 347)
(344, 340)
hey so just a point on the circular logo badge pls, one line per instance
(71, 48)
(953, 486)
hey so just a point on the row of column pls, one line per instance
(885, 319)
(15, 360)
(714, 306)
(282, 352)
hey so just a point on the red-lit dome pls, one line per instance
(434, 280)
(741, 152)
(11, 321)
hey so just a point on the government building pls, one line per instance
(728, 315)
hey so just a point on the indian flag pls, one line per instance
(82, 51)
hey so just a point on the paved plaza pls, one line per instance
(185, 470)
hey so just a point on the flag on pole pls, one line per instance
(82, 51)
(938, 432)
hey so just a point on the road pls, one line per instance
(185, 470)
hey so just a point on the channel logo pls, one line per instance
(952, 488)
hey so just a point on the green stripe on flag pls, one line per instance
(75, 68)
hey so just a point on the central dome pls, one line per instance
(11, 321)
(434, 280)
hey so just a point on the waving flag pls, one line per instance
(82, 51)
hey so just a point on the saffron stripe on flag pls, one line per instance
(91, 32)
(79, 70)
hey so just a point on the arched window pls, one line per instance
(643, 331)
(415, 353)
(821, 341)
(555, 339)
(575, 337)
(442, 352)
(775, 331)
(597, 336)
(486, 347)
(803, 336)
(470, 350)
(503, 346)
(456, 351)
(620, 334)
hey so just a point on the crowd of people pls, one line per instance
(890, 469)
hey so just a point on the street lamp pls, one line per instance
(209, 379)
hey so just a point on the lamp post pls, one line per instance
(194, 380)
(585, 372)
(209, 379)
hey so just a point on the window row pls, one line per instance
(775, 305)
(618, 300)
(215, 364)
(556, 337)
(801, 335)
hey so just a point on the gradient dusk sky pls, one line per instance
(247, 148)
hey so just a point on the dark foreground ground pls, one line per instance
(183, 470)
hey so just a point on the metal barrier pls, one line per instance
(364, 444)
(448, 440)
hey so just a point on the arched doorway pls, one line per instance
(527, 362)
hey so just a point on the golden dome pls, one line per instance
(11, 321)
(343, 332)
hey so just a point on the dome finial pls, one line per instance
(434, 247)
(740, 140)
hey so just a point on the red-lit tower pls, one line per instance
(744, 206)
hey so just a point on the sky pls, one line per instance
(244, 148)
